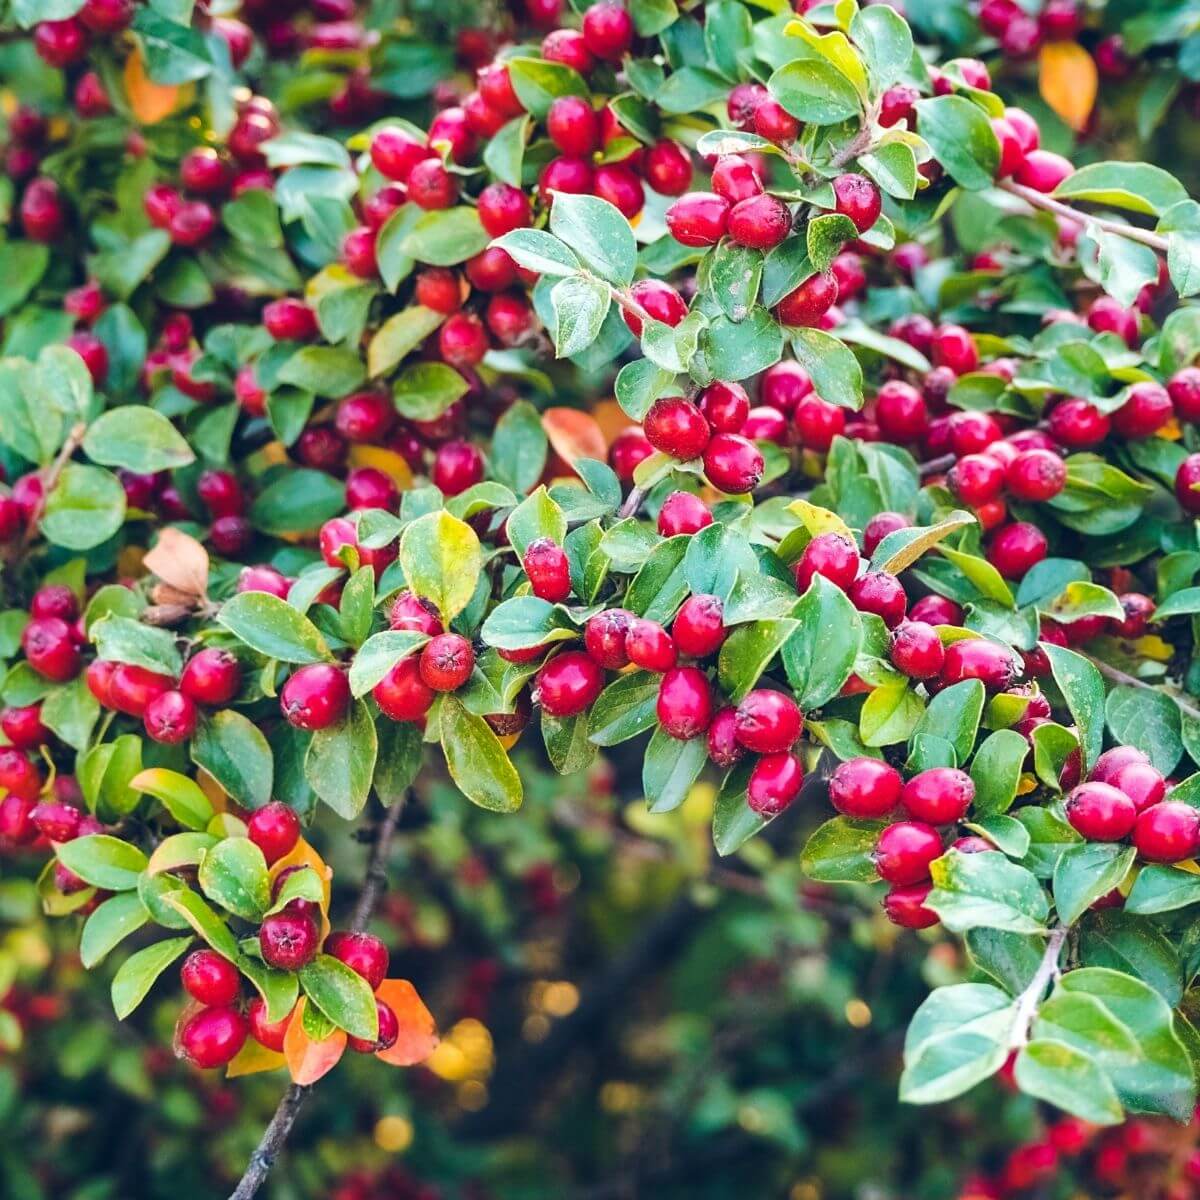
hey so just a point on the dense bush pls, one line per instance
(802, 435)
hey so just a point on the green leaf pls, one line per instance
(1011, 959)
(425, 390)
(958, 1037)
(566, 742)
(340, 762)
(599, 235)
(1136, 187)
(332, 371)
(1135, 946)
(815, 91)
(538, 83)
(981, 574)
(303, 884)
(22, 265)
(71, 712)
(669, 769)
(961, 138)
(1121, 266)
(182, 797)
(519, 447)
(624, 709)
(819, 657)
(996, 771)
(894, 167)
(954, 714)
(343, 995)
(580, 305)
(734, 821)
(660, 586)
(233, 874)
(505, 152)
(137, 974)
(137, 438)
(477, 761)
(748, 650)
(834, 370)
(233, 750)
(734, 273)
(1049, 836)
(689, 89)
(84, 508)
(1085, 873)
(445, 237)
(826, 235)
(537, 250)
(110, 924)
(736, 349)
(1066, 1077)
(202, 919)
(279, 989)
(971, 890)
(180, 850)
(273, 628)
(394, 264)
(1162, 889)
(399, 336)
(886, 43)
(890, 714)
(103, 861)
(105, 772)
(842, 851)
(442, 560)
(297, 502)
(1082, 687)
(1149, 720)
(122, 639)
(526, 621)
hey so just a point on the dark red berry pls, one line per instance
(288, 940)
(447, 662)
(213, 1036)
(274, 829)
(568, 684)
(363, 953)
(315, 696)
(775, 781)
(768, 721)
(548, 569)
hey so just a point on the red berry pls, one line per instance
(1016, 548)
(775, 123)
(898, 104)
(56, 821)
(170, 718)
(1184, 389)
(649, 646)
(1100, 812)
(905, 850)
(209, 978)
(23, 727)
(447, 662)
(410, 611)
(288, 940)
(936, 610)
(107, 16)
(1138, 611)
(568, 47)
(723, 747)
(60, 43)
(1145, 411)
(1036, 475)
(548, 569)
(904, 905)
(43, 217)
(463, 340)
(395, 152)
(768, 721)
(733, 464)
(431, 186)
(503, 208)
(1078, 424)
(725, 406)
(698, 219)
(736, 178)
(808, 303)
(866, 788)
(659, 300)
(402, 694)
(363, 953)
(1166, 832)
(289, 319)
(879, 527)
(1187, 484)
(604, 637)
(683, 512)
(977, 658)
(684, 705)
(315, 696)
(263, 1031)
(1141, 783)
(859, 199)
(1107, 315)
(50, 650)
(568, 684)
(1043, 170)
(818, 423)
(573, 126)
(879, 593)
(698, 629)
(832, 555)
(668, 168)
(358, 252)
(760, 222)
(677, 427)
(607, 30)
(939, 796)
(457, 466)
(954, 347)
(976, 478)
(775, 781)
(917, 650)
(213, 1036)
(573, 175)
(388, 1030)
(274, 829)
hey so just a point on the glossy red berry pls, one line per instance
(568, 684)
(388, 1030)
(954, 347)
(608, 30)
(732, 463)
(288, 940)
(668, 168)
(604, 637)
(402, 694)
(1043, 170)
(1100, 812)
(773, 122)
(865, 788)
(170, 718)
(446, 662)
(363, 953)
(677, 427)
(683, 512)
(832, 555)
(939, 796)
(1036, 475)
(684, 705)
(1141, 783)
(209, 978)
(723, 747)
(658, 300)
(879, 593)
(50, 649)
(457, 466)
(901, 412)
(936, 610)
(859, 199)
(1078, 424)
(699, 629)
(503, 208)
(808, 303)
(569, 47)
(905, 851)
(1167, 832)
(23, 727)
(315, 696)
(1187, 484)
(410, 611)
(213, 1036)
(548, 570)
(775, 781)
(768, 721)
(1016, 548)
(266, 1033)
(904, 905)
(698, 219)
(818, 422)
(274, 829)
(879, 527)
(394, 152)
(1146, 410)
(977, 658)
(976, 478)
(649, 645)
(760, 222)
(917, 650)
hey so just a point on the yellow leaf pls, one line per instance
(819, 520)
(393, 465)
(252, 1058)
(1152, 646)
(151, 101)
(1068, 80)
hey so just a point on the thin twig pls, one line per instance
(935, 466)
(73, 442)
(1120, 228)
(276, 1133)
(1119, 676)
(1030, 998)
(632, 503)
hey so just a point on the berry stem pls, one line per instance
(629, 304)
(280, 1126)
(1120, 228)
(73, 442)
(1030, 998)
(935, 466)
(1118, 676)
(632, 503)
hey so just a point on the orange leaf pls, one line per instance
(308, 1060)
(611, 418)
(1068, 80)
(179, 560)
(303, 855)
(150, 101)
(574, 434)
(252, 1058)
(418, 1034)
